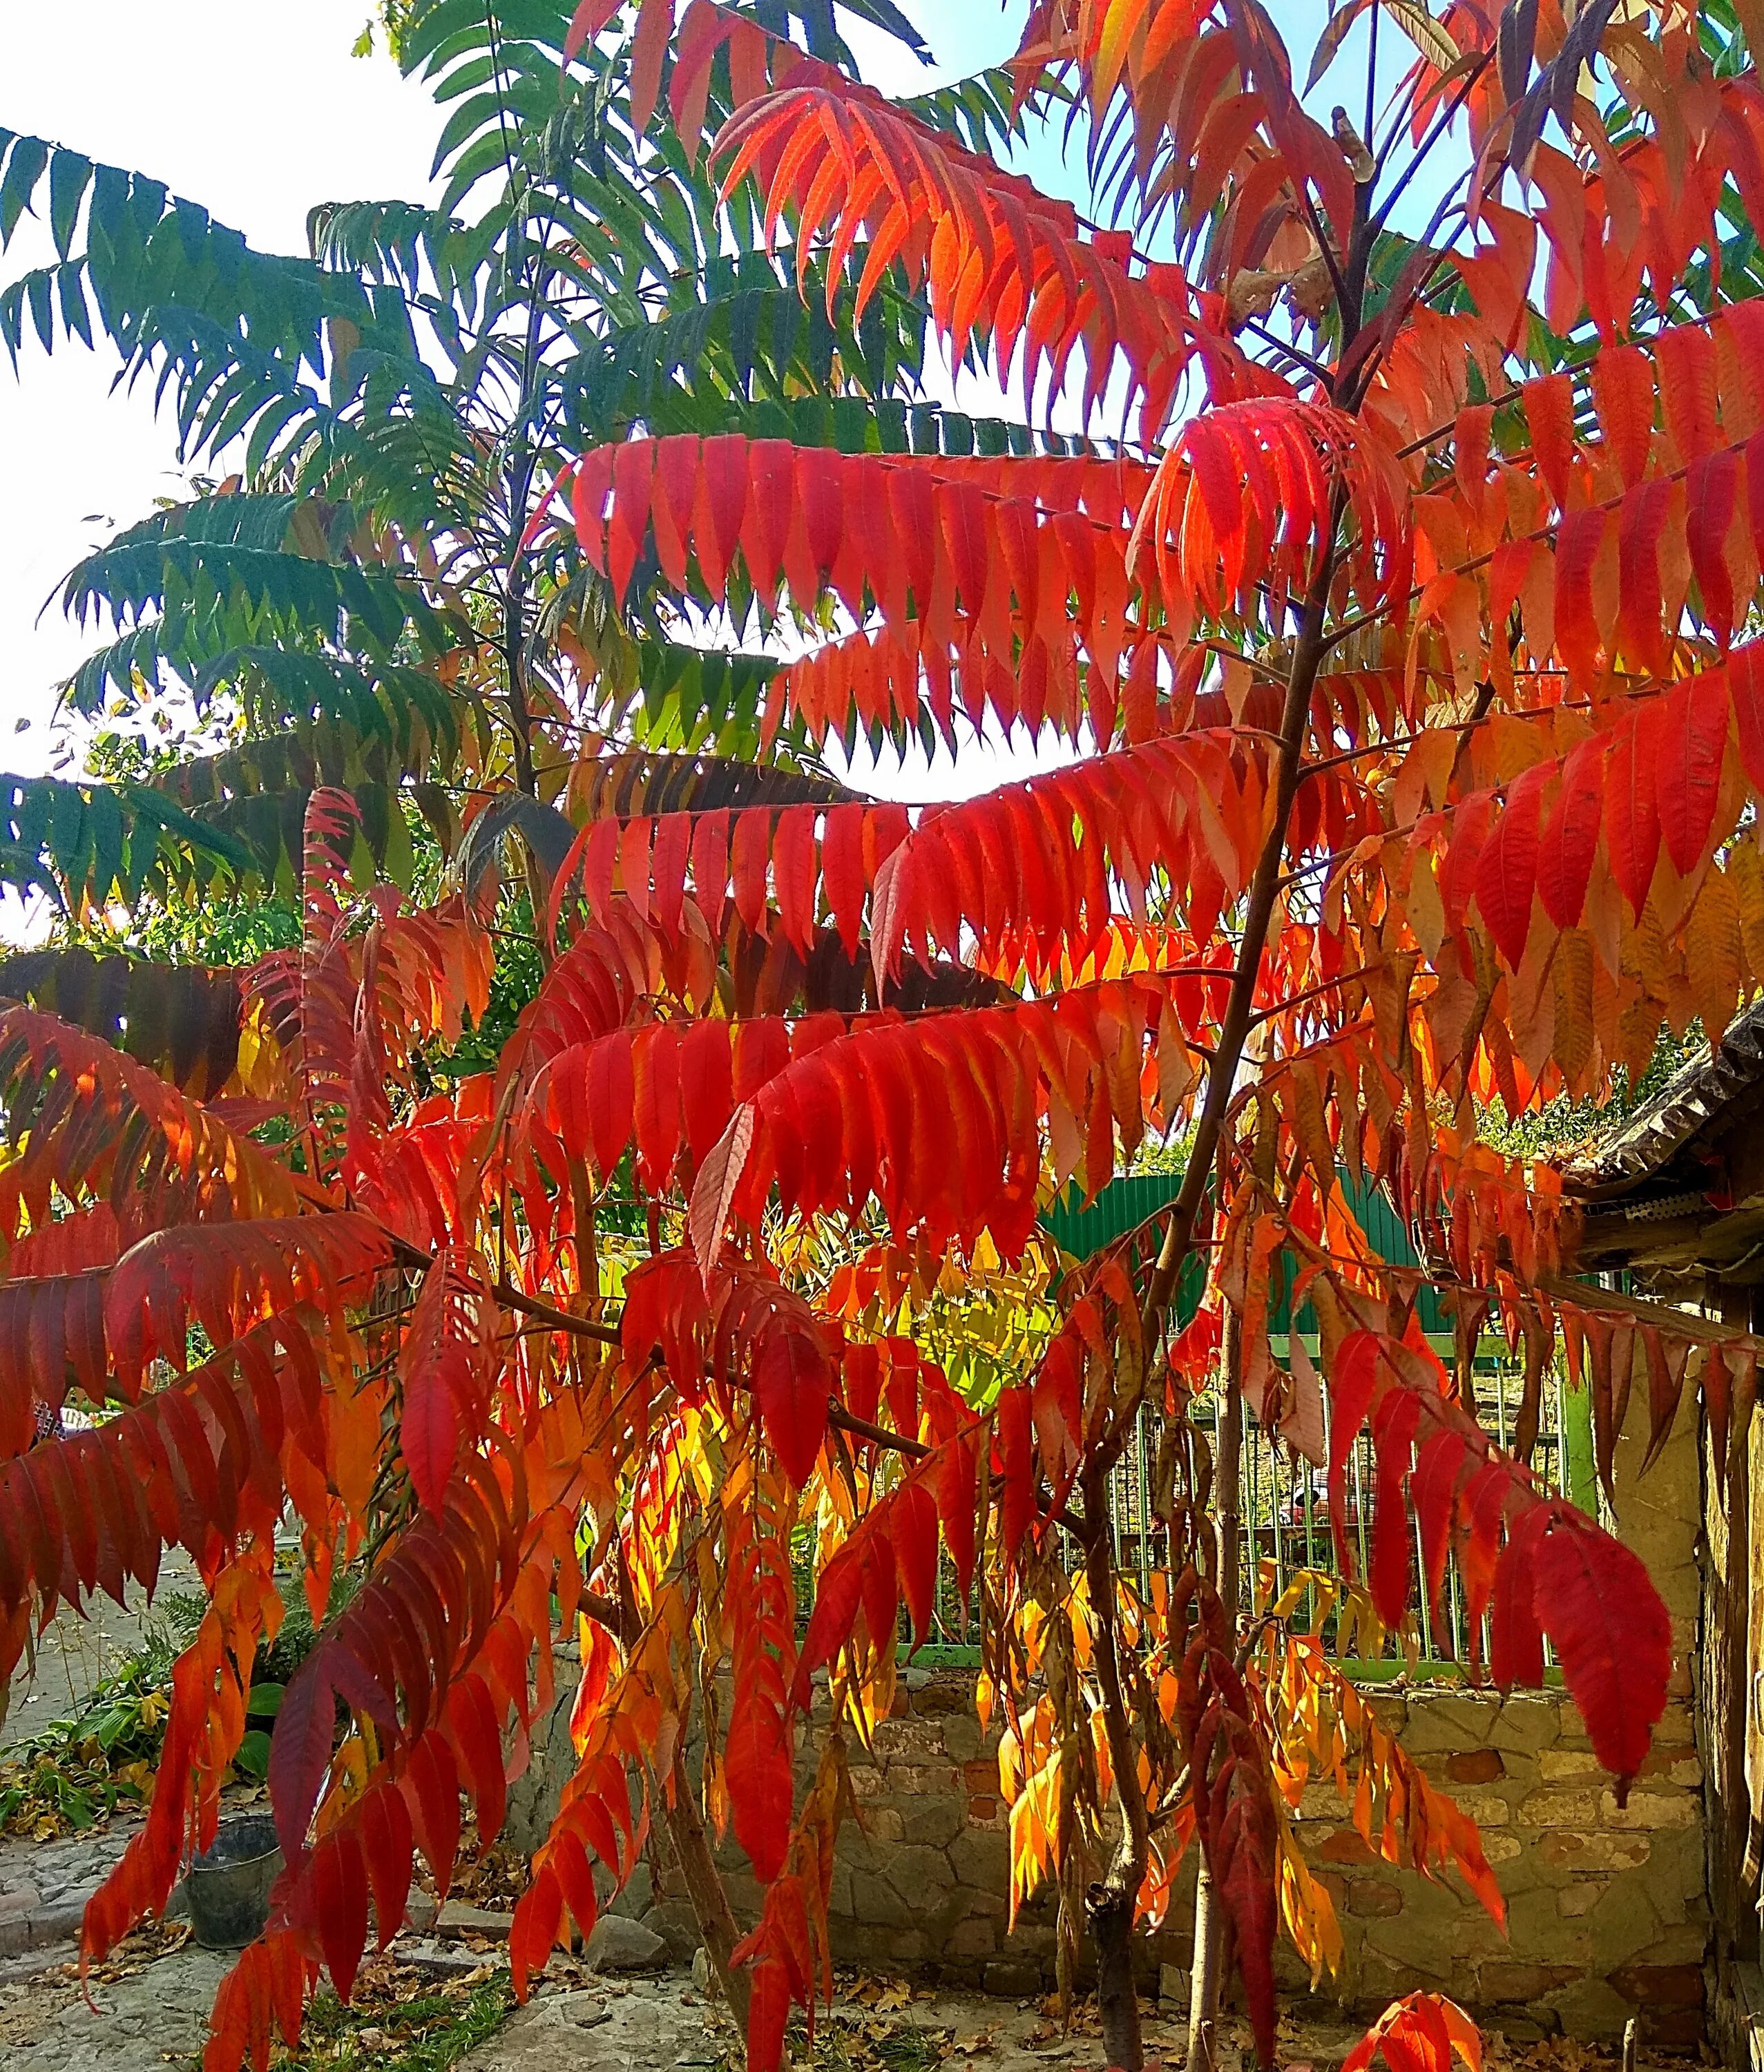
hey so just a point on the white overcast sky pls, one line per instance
(258, 113)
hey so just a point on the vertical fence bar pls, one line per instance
(1420, 1571)
(1143, 1429)
(1359, 1503)
(1283, 1516)
(1276, 1506)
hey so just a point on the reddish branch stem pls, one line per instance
(1206, 1969)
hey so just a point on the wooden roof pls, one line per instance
(1680, 1189)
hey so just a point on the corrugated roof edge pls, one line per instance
(1695, 1097)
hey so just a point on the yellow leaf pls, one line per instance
(1034, 1828)
(1746, 869)
(1307, 1912)
(1711, 953)
(1572, 977)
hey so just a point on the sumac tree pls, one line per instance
(1399, 648)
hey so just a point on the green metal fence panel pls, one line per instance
(1122, 1206)
(1133, 1199)
(1283, 1503)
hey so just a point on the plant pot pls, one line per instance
(227, 1886)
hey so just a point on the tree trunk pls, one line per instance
(1203, 1975)
(1110, 1914)
(1205, 1978)
(718, 1928)
(1109, 1906)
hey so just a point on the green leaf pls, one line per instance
(254, 1756)
(69, 176)
(25, 163)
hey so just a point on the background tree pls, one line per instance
(1416, 768)
(354, 604)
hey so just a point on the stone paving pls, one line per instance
(45, 1885)
(156, 2016)
(135, 2023)
(149, 2012)
(149, 2006)
(75, 1654)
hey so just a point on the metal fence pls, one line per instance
(1283, 1501)
(1286, 1531)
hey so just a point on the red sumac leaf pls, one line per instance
(1632, 817)
(339, 1887)
(1418, 2034)
(1507, 869)
(1515, 1654)
(1394, 1436)
(569, 1864)
(768, 2010)
(300, 1752)
(1549, 412)
(1245, 1856)
(590, 18)
(791, 1383)
(532, 1934)
(757, 1766)
(721, 504)
(1611, 1632)
(431, 1782)
(914, 1518)
(1352, 1380)
(842, 872)
(429, 1435)
(388, 1841)
(655, 1103)
(882, 1584)
(1016, 1452)
(1693, 740)
(1746, 686)
(472, 1718)
(838, 1597)
(956, 1497)
(1570, 839)
(610, 1098)
(706, 1084)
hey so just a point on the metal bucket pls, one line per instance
(228, 1885)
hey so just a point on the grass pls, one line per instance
(396, 2024)
(909, 2051)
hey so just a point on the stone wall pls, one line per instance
(1607, 1916)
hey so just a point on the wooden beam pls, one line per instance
(1688, 1323)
